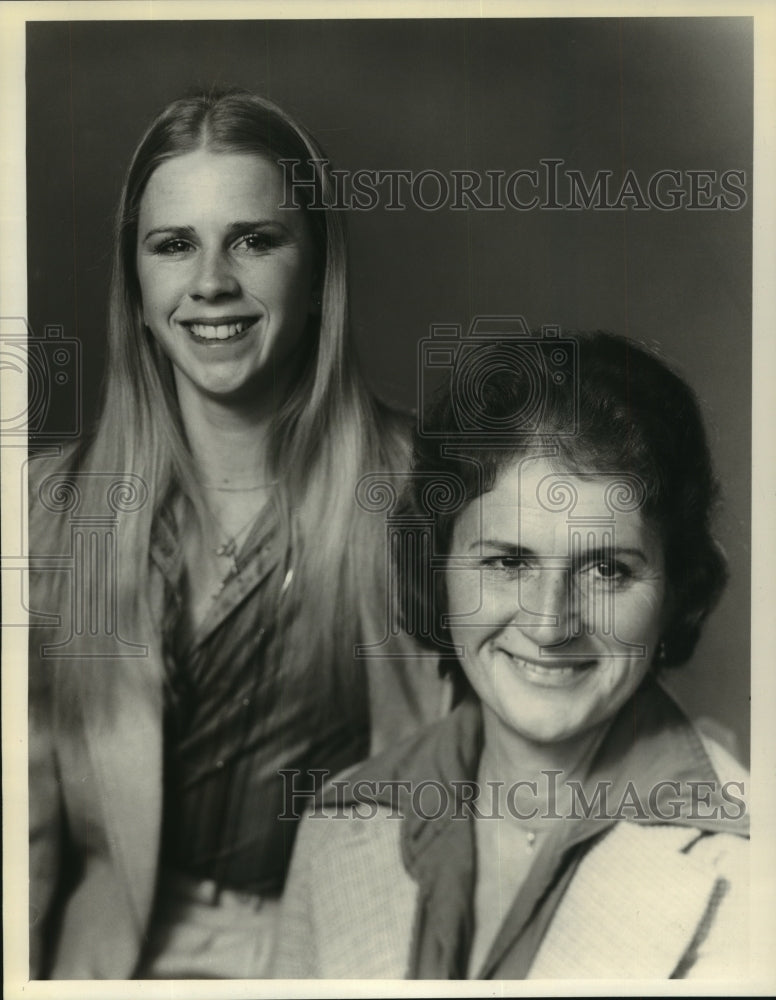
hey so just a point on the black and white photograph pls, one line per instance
(387, 561)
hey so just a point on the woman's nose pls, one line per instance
(547, 608)
(214, 277)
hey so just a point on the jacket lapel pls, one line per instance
(632, 909)
(124, 738)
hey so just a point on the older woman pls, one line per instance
(566, 820)
(222, 574)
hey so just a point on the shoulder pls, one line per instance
(47, 498)
(348, 840)
(650, 844)
(353, 836)
(46, 463)
(718, 746)
(395, 427)
(652, 901)
(445, 748)
(699, 880)
(395, 418)
(348, 903)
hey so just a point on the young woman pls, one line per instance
(232, 435)
(565, 821)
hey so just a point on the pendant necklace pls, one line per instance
(228, 550)
(531, 838)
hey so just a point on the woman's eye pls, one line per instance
(257, 242)
(505, 564)
(170, 247)
(610, 571)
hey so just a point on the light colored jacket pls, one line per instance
(96, 806)
(95, 817)
(647, 901)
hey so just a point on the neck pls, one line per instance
(229, 442)
(509, 757)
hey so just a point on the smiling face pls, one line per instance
(558, 611)
(226, 276)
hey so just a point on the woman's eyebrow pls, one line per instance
(233, 228)
(187, 231)
(608, 551)
(507, 547)
(251, 225)
(599, 552)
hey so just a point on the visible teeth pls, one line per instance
(539, 671)
(550, 670)
(223, 331)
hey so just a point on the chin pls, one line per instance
(549, 732)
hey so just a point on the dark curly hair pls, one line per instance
(603, 404)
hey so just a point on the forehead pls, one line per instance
(205, 182)
(535, 497)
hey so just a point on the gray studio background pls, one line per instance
(600, 94)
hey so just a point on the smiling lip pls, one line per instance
(549, 673)
(224, 328)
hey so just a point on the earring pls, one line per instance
(660, 652)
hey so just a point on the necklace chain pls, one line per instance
(240, 489)
(228, 548)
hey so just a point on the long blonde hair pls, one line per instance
(325, 435)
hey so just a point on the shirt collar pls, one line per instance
(650, 757)
(648, 742)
